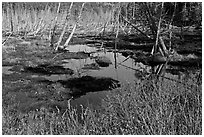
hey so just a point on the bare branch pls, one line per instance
(134, 27)
(150, 18)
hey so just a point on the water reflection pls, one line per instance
(122, 73)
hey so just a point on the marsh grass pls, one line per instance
(37, 18)
(150, 107)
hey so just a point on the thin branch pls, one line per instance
(135, 27)
(150, 18)
(6, 39)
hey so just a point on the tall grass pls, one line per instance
(34, 18)
(150, 107)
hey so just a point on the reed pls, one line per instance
(38, 18)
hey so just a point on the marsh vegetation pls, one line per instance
(102, 68)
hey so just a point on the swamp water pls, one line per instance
(123, 69)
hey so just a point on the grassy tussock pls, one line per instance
(148, 107)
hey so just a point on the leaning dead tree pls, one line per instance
(65, 26)
(58, 46)
(74, 28)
